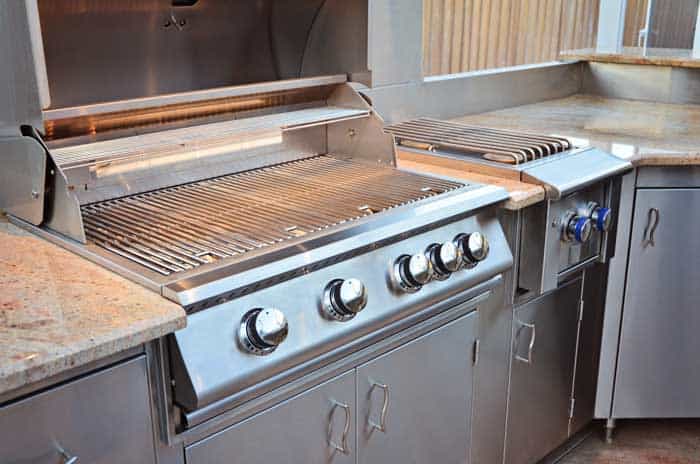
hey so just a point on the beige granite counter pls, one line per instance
(59, 311)
(521, 194)
(645, 133)
(676, 57)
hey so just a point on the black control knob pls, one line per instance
(262, 330)
(343, 299)
(446, 258)
(412, 272)
(475, 247)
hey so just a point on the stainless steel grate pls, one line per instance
(499, 145)
(180, 228)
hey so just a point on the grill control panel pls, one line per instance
(262, 330)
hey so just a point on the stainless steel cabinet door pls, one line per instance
(658, 371)
(103, 418)
(316, 427)
(414, 403)
(542, 373)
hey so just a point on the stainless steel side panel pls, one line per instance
(425, 389)
(22, 178)
(657, 370)
(588, 353)
(20, 102)
(101, 419)
(395, 33)
(209, 365)
(541, 378)
(296, 431)
(563, 174)
(614, 300)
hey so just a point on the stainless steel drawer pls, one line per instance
(102, 418)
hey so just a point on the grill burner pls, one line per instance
(180, 228)
(498, 145)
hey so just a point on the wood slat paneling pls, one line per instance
(469, 35)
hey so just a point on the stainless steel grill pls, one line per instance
(180, 228)
(498, 145)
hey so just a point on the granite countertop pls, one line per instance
(59, 311)
(677, 57)
(648, 134)
(521, 194)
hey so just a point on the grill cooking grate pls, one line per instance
(499, 145)
(180, 228)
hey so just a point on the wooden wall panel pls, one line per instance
(469, 35)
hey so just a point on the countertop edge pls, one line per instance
(87, 351)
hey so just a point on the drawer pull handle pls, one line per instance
(531, 345)
(653, 218)
(343, 446)
(381, 426)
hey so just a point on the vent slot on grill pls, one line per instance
(498, 145)
(181, 228)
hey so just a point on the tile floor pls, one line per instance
(642, 442)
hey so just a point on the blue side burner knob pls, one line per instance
(602, 218)
(577, 228)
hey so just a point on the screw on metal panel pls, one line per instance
(35, 194)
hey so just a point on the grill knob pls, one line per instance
(446, 258)
(262, 330)
(601, 217)
(412, 272)
(475, 247)
(343, 299)
(576, 228)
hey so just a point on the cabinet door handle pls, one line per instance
(67, 458)
(653, 218)
(531, 345)
(381, 426)
(343, 446)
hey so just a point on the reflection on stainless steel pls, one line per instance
(179, 109)
(179, 228)
(198, 139)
